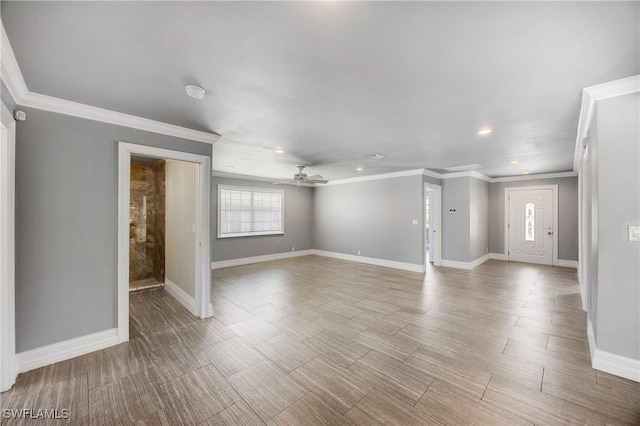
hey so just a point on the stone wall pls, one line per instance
(146, 221)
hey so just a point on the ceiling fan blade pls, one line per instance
(284, 181)
(317, 181)
(315, 177)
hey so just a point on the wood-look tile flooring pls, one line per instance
(313, 340)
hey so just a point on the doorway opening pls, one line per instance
(163, 227)
(147, 223)
(531, 221)
(432, 218)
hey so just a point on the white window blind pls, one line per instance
(249, 211)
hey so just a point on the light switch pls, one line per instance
(414, 222)
(634, 232)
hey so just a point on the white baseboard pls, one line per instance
(62, 351)
(257, 259)
(567, 263)
(497, 256)
(180, 295)
(608, 362)
(466, 265)
(412, 267)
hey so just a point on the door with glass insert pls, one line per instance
(530, 226)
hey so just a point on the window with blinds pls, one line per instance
(249, 211)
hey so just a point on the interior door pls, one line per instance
(530, 226)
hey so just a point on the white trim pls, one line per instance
(75, 109)
(431, 173)
(202, 240)
(591, 337)
(8, 366)
(567, 263)
(180, 295)
(590, 95)
(469, 173)
(497, 256)
(412, 267)
(424, 172)
(534, 177)
(10, 71)
(393, 175)
(554, 214)
(61, 351)
(226, 175)
(466, 265)
(258, 259)
(608, 362)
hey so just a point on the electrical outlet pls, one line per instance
(358, 252)
(293, 249)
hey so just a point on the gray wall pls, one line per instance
(567, 214)
(465, 233)
(618, 275)
(374, 217)
(456, 193)
(66, 224)
(298, 219)
(479, 219)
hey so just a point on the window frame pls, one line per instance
(252, 189)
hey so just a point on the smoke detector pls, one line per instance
(196, 92)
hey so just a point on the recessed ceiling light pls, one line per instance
(359, 168)
(485, 131)
(194, 91)
(279, 151)
(525, 173)
(514, 161)
(376, 156)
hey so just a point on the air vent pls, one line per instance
(376, 156)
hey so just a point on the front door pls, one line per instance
(530, 226)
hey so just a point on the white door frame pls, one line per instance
(435, 209)
(554, 214)
(203, 205)
(8, 365)
(584, 187)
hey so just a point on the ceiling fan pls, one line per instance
(301, 177)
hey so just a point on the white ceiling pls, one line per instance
(330, 82)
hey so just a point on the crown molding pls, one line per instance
(592, 94)
(10, 71)
(14, 81)
(431, 173)
(75, 109)
(534, 177)
(253, 178)
(415, 172)
(468, 173)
